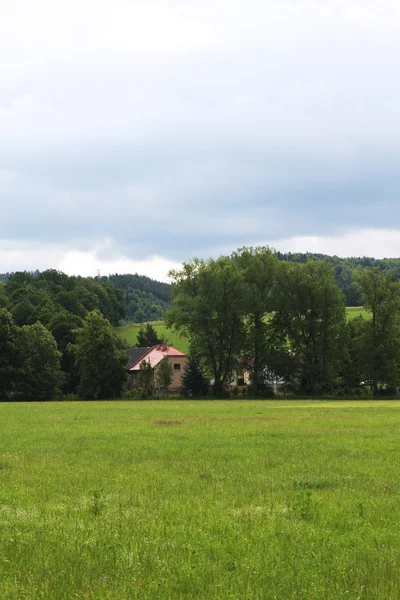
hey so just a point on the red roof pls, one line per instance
(155, 355)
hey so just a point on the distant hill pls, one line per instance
(343, 269)
(146, 299)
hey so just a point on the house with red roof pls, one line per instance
(154, 355)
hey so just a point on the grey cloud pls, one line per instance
(177, 154)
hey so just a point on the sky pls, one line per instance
(135, 135)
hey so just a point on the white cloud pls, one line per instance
(377, 243)
(25, 255)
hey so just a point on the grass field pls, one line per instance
(206, 500)
(352, 312)
(129, 333)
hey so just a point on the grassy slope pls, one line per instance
(129, 332)
(181, 500)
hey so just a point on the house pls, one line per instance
(154, 355)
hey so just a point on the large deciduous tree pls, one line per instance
(146, 378)
(379, 338)
(308, 327)
(164, 375)
(208, 307)
(9, 359)
(40, 376)
(100, 361)
(258, 267)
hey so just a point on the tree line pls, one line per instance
(286, 320)
(43, 318)
(279, 320)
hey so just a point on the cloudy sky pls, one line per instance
(135, 135)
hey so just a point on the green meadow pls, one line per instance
(206, 500)
(129, 333)
(352, 312)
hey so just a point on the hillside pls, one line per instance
(146, 299)
(129, 333)
(343, 269)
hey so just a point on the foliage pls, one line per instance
(147, 336)
(194, 384)
(29, 361)
(344, 270)
(145, 298)
(9, 356)
(208, 307)
(379, 338)
(145, 378)
(307, 330)
(40, 376)
(259, 269)
(163, 375)
(100, 361)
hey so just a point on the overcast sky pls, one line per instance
(135, 135)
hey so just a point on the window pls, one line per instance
(177, 367)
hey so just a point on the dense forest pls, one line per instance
(145, 299)
(36, 303)
(343, 270)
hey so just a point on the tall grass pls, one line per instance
(175, 500)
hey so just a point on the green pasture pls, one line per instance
(352, 312)
(129, 333)
(207, 500)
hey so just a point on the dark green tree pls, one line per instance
(379, 338)
(40, 376)
(100, 360)
(258, 267)
(3, 296)
(194, 384)
(146, 378)
(306, 333)
(147, 336)
(208, 307)
(163, 375)
(9, 357)
(64, 326)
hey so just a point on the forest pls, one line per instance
(145, 299)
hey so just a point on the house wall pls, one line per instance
(176, 373)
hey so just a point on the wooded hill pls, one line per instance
(343, 269)
(148, 300)
(145, 299)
